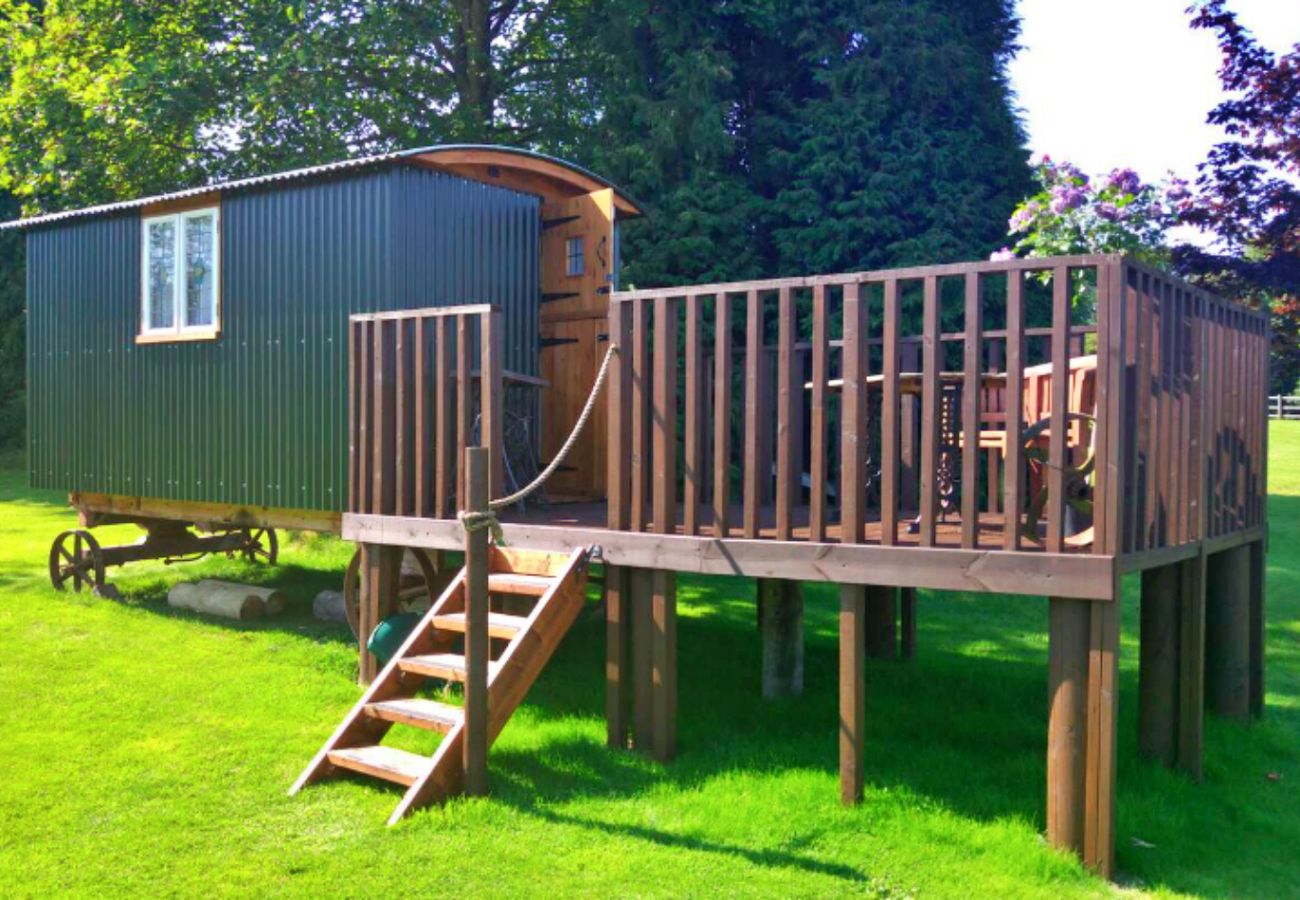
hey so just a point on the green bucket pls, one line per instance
(388, 636)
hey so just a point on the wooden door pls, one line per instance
(577, 266)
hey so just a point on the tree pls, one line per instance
(1248, 190)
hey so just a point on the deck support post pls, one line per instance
(780, 605)
(1158, 674)
(381, 568)
(1191, 665)
(477, 644)
(1228, 632)
(907, 621)
(1257, 581)
(1083, 695)
(641, 624)
(663, 653)
(853, 709)
(618, 656)
(882, 622)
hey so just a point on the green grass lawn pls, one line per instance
(144, 751)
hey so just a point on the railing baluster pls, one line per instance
(693, 477)
(1060, 395)
(751, 474)
(786, 434)
(356, 415)
(491, 386)
(618, 457)
(931, 362)
(464, 406)
(852, 417)
(400, 468)
(444, 444)
(817, 420)
(722, 415)
(383, 424)
(1111, 409)
(421, 460)
(640, 416)
(970, 413)
(1014, 475)
(665, 415)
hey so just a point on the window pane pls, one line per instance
(200, 271)
(162, 274)
(573, 256)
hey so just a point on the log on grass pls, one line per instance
(228, 602)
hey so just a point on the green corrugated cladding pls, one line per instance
(258, 416)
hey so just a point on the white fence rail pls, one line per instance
(1280, 407)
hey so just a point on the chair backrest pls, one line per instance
(1037, 402)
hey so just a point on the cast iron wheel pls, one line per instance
(352, 587)
(261, 545)
(75, 557)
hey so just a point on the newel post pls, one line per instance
(476, 627)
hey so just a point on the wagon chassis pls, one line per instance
(77, 558)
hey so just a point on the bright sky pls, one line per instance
(1126, 82)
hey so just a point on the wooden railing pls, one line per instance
(421, 383)
(834, 408)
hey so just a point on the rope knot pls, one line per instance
(473, 521)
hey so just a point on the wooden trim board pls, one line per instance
(1073, 575)
(90, 505)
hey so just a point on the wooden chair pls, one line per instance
(1036, 409)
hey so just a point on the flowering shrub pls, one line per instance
(1115, 213)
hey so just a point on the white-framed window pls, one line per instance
(181, 290)
(574, 261)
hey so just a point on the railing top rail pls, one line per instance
(914, 273)
(985, 267)
(429, 312)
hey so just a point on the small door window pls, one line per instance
(574, 264)
(180, 290)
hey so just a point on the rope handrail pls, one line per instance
(476, 520)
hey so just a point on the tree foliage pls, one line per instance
(1248, 191)
(764, 137)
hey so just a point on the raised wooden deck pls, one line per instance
(791, 429)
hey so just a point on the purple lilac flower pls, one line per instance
(1178, 190)
(1024, 216)
(1108, 211)
(1157, 210)
(1002, 255)
(1125, 181)
(1066, 197)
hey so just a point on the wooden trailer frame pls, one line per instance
(1177, 492)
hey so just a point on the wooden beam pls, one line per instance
(882, 622)
(663, 656)
(1083, 650)
(1158, 665)
(477, 647)
(1227, 632)
(780, 605)
(91, 505)
(1071, 575)
(853, 708)
(1257, 630)
(618, 656)
(642, 626)
(1191, 665)
(381, 567)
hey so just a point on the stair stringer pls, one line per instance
(357, 729)
(510, 677)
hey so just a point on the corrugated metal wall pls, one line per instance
(260, 415)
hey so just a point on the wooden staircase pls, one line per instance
(553, 584)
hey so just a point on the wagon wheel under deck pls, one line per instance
(431, 585)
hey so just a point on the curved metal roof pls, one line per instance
(577, 175)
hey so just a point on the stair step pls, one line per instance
(513, 583)
(500, 625)
(447, 666)
(418, 712)
(378, 761)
